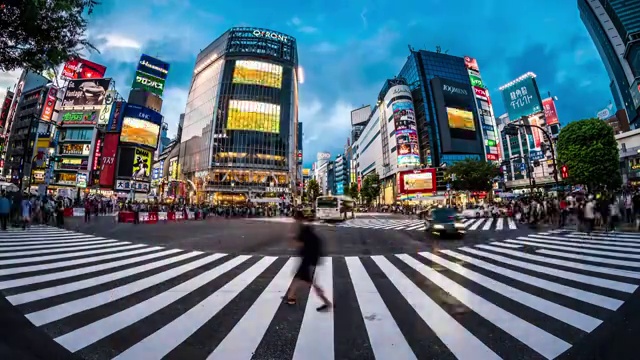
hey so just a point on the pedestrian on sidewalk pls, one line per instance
(309, 247)
(5, 209)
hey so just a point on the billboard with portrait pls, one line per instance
(85, 94)
(79, 68)
(521, 97)
(142, 164)
(257, 73)
(417, 181)
(407, 145)
(253, 116)
(139, 132)
(550, 113)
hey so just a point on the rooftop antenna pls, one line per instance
(438, 49)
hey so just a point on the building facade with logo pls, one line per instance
(239, 136)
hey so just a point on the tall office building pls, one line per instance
(239, 135)
(614, 26)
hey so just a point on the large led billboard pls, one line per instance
(85, 94)
(407, 146)
(142, 164)
(521, 97)
(417, 181)
(253, 116)
(148, 83)
(152, 66)
(257, 73)
(79, 68)
(460, 119)
(138, 131)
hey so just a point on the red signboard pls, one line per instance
(83, 69)
(471, 63)
(492, 157)
(550, 113)
(417, 181)
(109, 150)
(97, 154)
(4, 112)
(49, 105)
(480, 93)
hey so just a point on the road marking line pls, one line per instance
(54, 246)
(67, 255)
(586, 241)
(590, 258)
(48, 251)
(487, 225)
(63, 240)
(512, 224)
(580, 243)
(577, 249)
(499, 223)
(513, 246)
(476, 224)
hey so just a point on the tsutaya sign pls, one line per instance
(269, 34)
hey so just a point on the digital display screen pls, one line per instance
(257, 73)
(253, 116)
(138, 131)
(460, 119)
(407, 144)
(418, 182)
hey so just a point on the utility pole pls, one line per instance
(511, 128)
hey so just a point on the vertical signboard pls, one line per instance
(550, 113)
(407, 147)
(105, 113)
(6, 105)
(521, 97)
(485, 110)
(108, 166)
(49, 104)
(115, 120)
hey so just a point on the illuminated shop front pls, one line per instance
(244, 146)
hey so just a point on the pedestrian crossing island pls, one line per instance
(481, 224)
(526, 297)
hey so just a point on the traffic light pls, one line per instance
(511, 130)
(564, 171)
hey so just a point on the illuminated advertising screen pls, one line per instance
(47, 109)
(257, 73)
(417, 181)
(148, 83)
(471, 63)
(461, 119)
(4, 112)
(550, 113)
(476, 81)
(408, 150)
(79, 68)
(152, 66)
(142, 164)
(253, 116)
(521, 98)
(173, 169)
(85, 94)
(80, 118)
(115, 119)
(138, 131)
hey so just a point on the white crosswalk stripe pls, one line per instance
(480, 224)
(540, 295)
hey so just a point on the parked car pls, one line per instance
(444, 221)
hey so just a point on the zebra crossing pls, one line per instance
(480, 224)
(527, 297)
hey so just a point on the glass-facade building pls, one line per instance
(422, 67)
(239, 137)
(614, 26)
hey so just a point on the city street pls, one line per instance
(213, 289)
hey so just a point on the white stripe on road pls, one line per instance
(487, 225)
(309, 345)
(590, 258)
(581, 244)
(539, 340)
(512, 246)
(246, 335)
(89, 334)
(512, 224)
(476, 224)
(53, 246)
(48, 251)
(67, 255)
(62, 240)
(462, 343)
(499, 223)
(584, 241)
(577, 249)
(161, 342)
(386, 339)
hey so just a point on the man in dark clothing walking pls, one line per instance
(310, 251)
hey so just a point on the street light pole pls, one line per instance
(553, 153)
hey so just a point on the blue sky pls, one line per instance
(348, 48)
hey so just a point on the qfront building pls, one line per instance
(239, 136)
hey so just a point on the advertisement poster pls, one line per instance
(460, 119)
(471, 63)
(148, 83)
(521, 98)
(476, 81)
(81, 180)
(105, 113)
(417, 181)
(550, 113)
(79, 118)
(152, 66)
(407, 145)
(49, 105)
(79, 68)
(139, 112)
(83, 94)
(142, 164)
(173, 169)
(108, 163)
(257, 73)
(4, 112)
(140, 132)
(253, 116)
(115, 121)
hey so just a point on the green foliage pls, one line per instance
(590, 151)
(370, 188)
(472, 175)
(41, 34)
(313, 190)
(353, 191)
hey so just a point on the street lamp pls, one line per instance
(512, 130)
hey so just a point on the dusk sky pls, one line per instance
(348, 48)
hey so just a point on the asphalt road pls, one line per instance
(366, 235)
(173, 291)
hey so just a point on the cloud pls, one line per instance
(321, 119)
(300, 26)
(324, 48)
(296, 21)
(307, 29)
(7, 80)
(174, 104)
(363, 17)
(117, 41)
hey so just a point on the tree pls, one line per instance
(472, 175)
(589, 150)
(354, 193)
(370, 188)
(313, 190)
(41, 34)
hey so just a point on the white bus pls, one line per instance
(334, 207)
